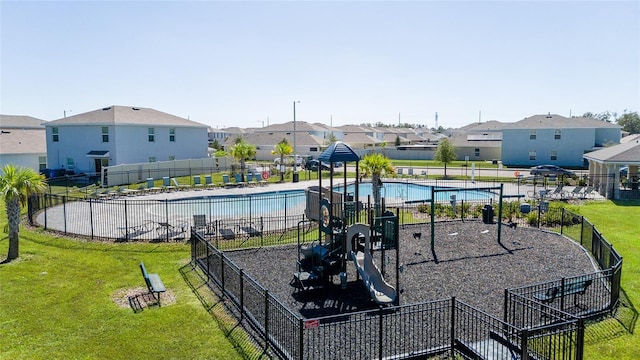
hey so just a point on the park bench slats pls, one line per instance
(154, 283)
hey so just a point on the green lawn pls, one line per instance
(57, 302)
(619, 224)
(58, 299)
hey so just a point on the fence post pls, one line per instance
(580, 339)
(166, 217)
(266, 319)
(64, 213)
(126, 222)
(562, 222)
(46, 197)
(562, 282)
(452, 325)
(241, 294)
(222, 272)
(91, 216)
(380, 317)
(582, 231)
(301, 343)
(524, 339)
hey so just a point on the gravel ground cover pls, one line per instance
(471, 265)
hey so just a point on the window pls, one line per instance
(313, 149)
(172, 157)
(152, 159)
(42, 162)
(532, 134)
(172, 135)
(532, 154)
(554, 155)
(105, 134)
(152, 136)
(476, 152)
(55, 134)
(558, 134)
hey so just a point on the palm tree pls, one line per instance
(281, 150)
(374, 165)
(17, 184)
(242, 151)
(445, 153)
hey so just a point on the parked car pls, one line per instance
(313, 165)
(551, 170)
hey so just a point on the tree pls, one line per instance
(17, 184)
(331, 138)
(603, 116)
(281, 150)
(630, 122)
(242, 151)
(374, 165)
(445, 153)
(398, 140)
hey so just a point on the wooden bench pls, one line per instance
(573, 287)
(153, 281)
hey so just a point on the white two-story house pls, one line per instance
(556, 140)
(113, 135)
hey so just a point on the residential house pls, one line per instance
(480, 141)
(122, 135)
(23, 142)
(556, 140)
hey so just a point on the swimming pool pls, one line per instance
(293, 202)
(273, 203)
(411, 192)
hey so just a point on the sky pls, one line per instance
(244, 64)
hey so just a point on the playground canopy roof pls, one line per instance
(338, 151)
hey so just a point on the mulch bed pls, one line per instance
(472, 266)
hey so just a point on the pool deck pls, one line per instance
(510, 190)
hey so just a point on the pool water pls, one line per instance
(416, 192)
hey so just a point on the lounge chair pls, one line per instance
(166, 183)
(197, 184)
(226, 233)
(225, 181)
(575, 193)
(239, 181)
(200, 223)
(179, 186)
(250, 230)
(207, 181)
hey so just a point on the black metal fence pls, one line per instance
(530, 329)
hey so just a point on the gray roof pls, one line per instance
(492, 125)
(288, 126)
(20, 122)
(121, 115)
(463, 140)
(626, 153)
(23, 141)
(553, 121)
(359, 138)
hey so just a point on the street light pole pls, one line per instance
(295, 165)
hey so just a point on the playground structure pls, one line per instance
(342, 238)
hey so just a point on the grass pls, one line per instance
(57, 302)
(57, 299)
(618, 223)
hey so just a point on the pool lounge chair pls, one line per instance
(200, 223)
(239, 181)
(226, 233)
(226, 182)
